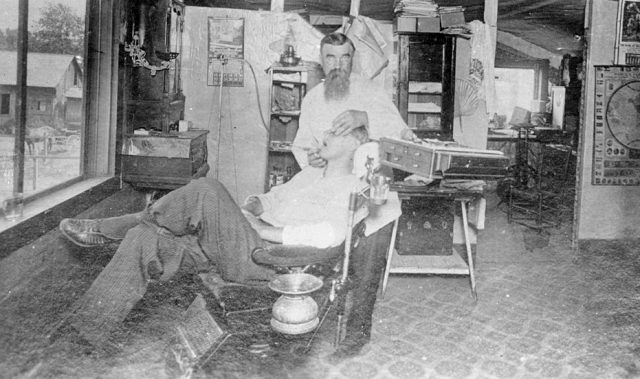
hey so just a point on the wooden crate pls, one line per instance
(164, 161)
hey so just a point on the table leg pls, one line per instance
(467, 243)
(392, 246)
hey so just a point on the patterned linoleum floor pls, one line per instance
(543, 311)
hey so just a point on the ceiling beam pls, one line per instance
(531, 7)
(491, 19)
(277, 5)
(354, 11)
(528, 48)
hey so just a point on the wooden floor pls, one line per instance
(543, 310)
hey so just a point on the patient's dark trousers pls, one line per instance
(210, 230)
(367, 266)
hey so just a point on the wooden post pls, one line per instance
(21, 98)
(355, 8)
(491, 19)
(277, 5)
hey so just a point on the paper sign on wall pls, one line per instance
(226, 52)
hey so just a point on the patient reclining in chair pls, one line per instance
(200, 227)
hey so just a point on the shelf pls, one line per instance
(433, 88)
(285, 113)
(280, 146)
(428, 264)
(425, 83)
(423, 108)
(292, 82)
(295, 77)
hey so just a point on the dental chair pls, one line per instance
(312, 284)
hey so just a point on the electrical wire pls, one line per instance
(233, 155)
(260, 111)
(255, 83)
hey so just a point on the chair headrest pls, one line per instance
(366, 153)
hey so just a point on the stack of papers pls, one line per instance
(453, 9)
(416, 8)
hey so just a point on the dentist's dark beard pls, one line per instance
(336, 85)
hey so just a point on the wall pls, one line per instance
(603, 212)
(237, 138)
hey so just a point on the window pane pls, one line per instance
(54, 93)
(514, 87)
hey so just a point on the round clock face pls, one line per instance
(623, 115)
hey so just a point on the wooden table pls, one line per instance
(452, 264)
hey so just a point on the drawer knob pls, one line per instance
(417, 154)
(415, 165)
(395, 159)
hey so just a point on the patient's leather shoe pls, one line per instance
(85, 233)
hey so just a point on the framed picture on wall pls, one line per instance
(627, 46)
(226, 52)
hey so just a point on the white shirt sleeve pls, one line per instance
(321, 235)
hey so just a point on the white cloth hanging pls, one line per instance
(482, 67)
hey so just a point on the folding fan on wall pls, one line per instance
(466, 102)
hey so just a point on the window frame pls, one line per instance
(541, 74)
(97, 154)
(97, 181)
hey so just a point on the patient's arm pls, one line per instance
(265, 231)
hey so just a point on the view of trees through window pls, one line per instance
(55, 64)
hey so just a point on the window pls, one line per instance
(5, 101)
(521, 83)
(514, 88)
(55, 152)
(40, 106)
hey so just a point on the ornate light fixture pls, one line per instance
(137, 55)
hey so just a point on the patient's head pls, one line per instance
(336, 147)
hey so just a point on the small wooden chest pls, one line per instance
(438, 159)
(164, 161)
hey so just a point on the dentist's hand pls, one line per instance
(346, 121)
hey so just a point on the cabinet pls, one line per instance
(426, 83)
(152, 89)
(540, 191)
(289, 84)
(152, 152)
(164, 161)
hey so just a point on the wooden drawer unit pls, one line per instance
(408, 157)
(164, 161)
(438, 159)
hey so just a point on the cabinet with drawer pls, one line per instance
(438, 159)
(164, 161)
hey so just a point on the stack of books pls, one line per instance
(416, 8)
(453, 9)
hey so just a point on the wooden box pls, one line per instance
(164, 161)
(450, 19)
(438, 159)
(405, 24)
(428, 25)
